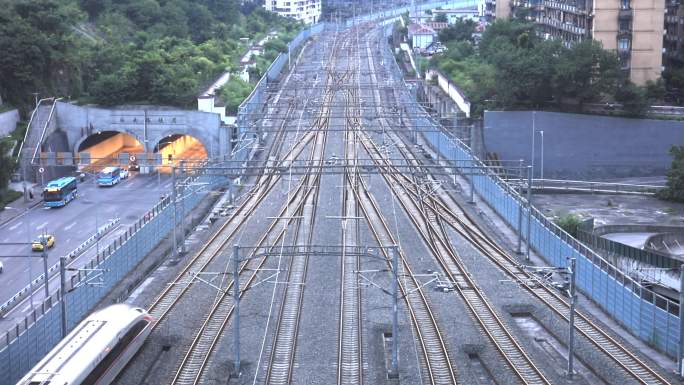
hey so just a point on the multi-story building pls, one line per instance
(673, 45)
(308, 11)
(633, 28)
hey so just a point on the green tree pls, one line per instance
(585, 72)
(462, 30)
(234, 93)
(675, 177)
(633, 98)
(441, 18)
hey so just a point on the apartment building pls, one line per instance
(633, 28)
(673, 44)
(308, 11)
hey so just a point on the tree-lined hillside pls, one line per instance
(511, 67)
(124, 51)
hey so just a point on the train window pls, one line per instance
(114, 353)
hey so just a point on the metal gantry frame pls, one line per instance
(372, 252)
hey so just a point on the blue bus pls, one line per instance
(109, 176)
(60, 191)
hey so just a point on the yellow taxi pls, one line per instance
(48, 239)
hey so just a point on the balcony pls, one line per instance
(565, 7)
(567, 27)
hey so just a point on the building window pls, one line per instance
(624, 25)
(623, 45)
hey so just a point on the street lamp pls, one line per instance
(97, 215)
(28, 243)
(534, 122)
(541, 132)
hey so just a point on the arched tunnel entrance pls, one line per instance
(176, 147)
(105, 146)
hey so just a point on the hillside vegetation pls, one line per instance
(511, 67)
(126, 51)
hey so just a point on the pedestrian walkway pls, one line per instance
(19, 206)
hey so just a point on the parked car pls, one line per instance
(124, 173)
(1, 267)
(48, 239)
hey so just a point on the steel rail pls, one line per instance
(446, 208)
(439, 369)
(197, 357)
(475, 299)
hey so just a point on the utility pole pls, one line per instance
(529, 210)
(62, 293)
(182, 218)
(236, 298)
(45, 268)
(680, 351)
(571, 332)
(520, 209)
(175, 211)
(395, 318)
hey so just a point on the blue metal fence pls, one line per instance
(651, 317)
(30, 340)
(646, 314)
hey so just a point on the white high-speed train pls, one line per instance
(96, 350)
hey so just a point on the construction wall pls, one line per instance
(584, 146)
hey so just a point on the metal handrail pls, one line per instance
(47, 123)
(21, 147)
(595, 186)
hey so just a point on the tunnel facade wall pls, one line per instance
(148, 124)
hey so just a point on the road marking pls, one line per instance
(70, 226)
(15, 226)
(41, 226)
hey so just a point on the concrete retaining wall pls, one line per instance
(8, 122)
(584, 146)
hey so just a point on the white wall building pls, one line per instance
(308, 11)
(421, 36)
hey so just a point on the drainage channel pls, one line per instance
(556, 350)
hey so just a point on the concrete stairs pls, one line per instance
(34, 132)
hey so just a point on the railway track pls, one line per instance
(199, 355)
(620, 354)
(435, 358)
(350, 330)
(431, 230)
(281, 361)
(442, 206)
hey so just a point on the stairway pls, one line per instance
(32, 139)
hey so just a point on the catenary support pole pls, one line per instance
(395, 318)
(175, 211)
(184, 181)
(472, 186)
(571, 331)
(680, 351)
(45, 272)
(62, 293)
(520, 208)
(529, 211)
(236, 295)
